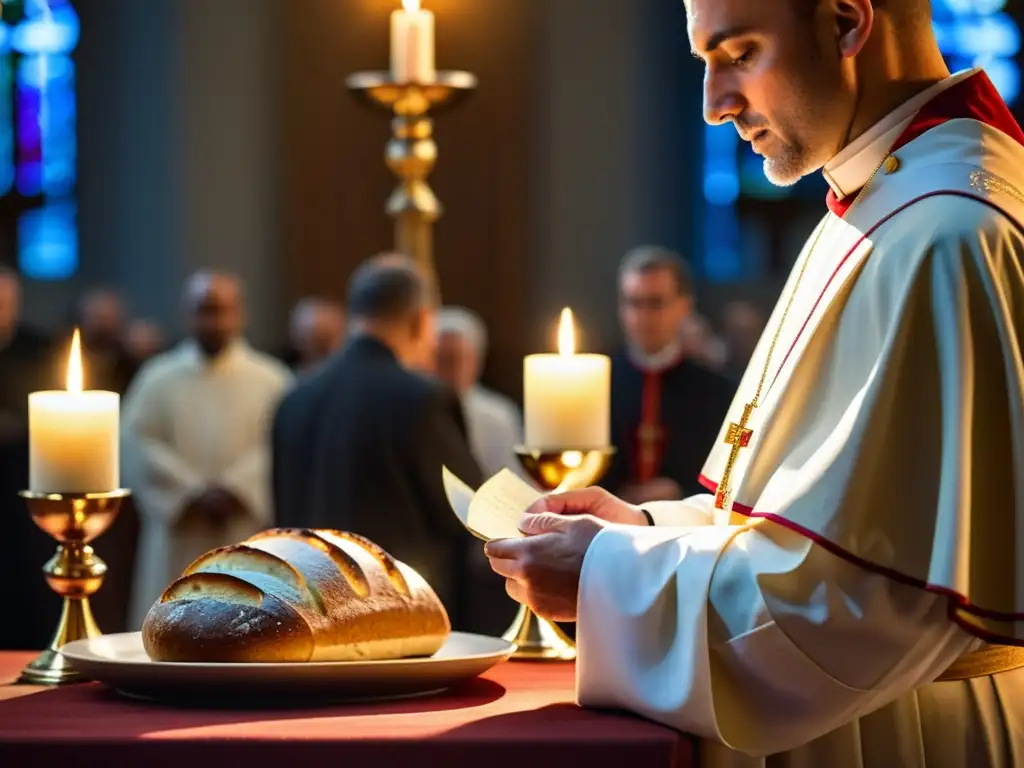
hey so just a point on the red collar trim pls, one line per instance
(974, 98)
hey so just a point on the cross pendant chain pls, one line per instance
(738, 436)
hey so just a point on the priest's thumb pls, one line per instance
(545, 522)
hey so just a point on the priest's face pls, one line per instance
(652, 308)
(774, 69)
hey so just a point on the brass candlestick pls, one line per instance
(538, 639)
(74, 572)
(411, 153)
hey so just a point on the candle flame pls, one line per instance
(74, 380)
(566, 334)
(411, 6)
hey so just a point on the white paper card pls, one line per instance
(494, 511)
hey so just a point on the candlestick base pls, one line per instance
(74, 572)
(538, 639)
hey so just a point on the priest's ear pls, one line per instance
(854, 20)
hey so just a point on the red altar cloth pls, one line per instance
(519, 715)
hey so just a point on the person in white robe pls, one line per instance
(493, 422)
(850, 592)
(195, 441)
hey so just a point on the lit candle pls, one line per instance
(412, 44)
(567, 397)
(73, 436)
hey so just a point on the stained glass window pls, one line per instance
(38, 134)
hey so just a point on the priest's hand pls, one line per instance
(542, 570)
(590, 501)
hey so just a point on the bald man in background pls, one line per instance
(196, 439)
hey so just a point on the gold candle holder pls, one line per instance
(411, 153)
(538, 639)
(75, 572)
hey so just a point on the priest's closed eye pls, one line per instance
(745, 58)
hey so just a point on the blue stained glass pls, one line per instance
(49, 26)
(48, 241)
(973, 33)
(721, 189)
(981, 36)
(1006, 77)
(47, 130)
(6, 116)
(966, 7)
(39, 141)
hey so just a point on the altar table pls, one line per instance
(518, 715)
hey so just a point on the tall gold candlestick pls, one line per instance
(412, 152)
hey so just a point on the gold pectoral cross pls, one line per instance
(738, 436)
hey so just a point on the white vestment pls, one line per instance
(189, 424)
(495, 428)
(878, 509)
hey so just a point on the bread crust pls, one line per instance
(295, 595)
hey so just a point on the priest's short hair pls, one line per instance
(389, 286)
(647, 258)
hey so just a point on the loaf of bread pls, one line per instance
(294, 595)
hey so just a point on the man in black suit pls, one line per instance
(359, 444)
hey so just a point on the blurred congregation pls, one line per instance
(199, 189)
(347, 426)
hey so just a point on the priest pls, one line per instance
(666, 405)
(849, 591)
(196, 440)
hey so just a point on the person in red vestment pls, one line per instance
(666, 406)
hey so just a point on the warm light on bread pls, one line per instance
(292, 595)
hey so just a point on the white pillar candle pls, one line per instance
(567, 397)
(73, 436)
(412, 44)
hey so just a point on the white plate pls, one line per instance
(121, 662)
